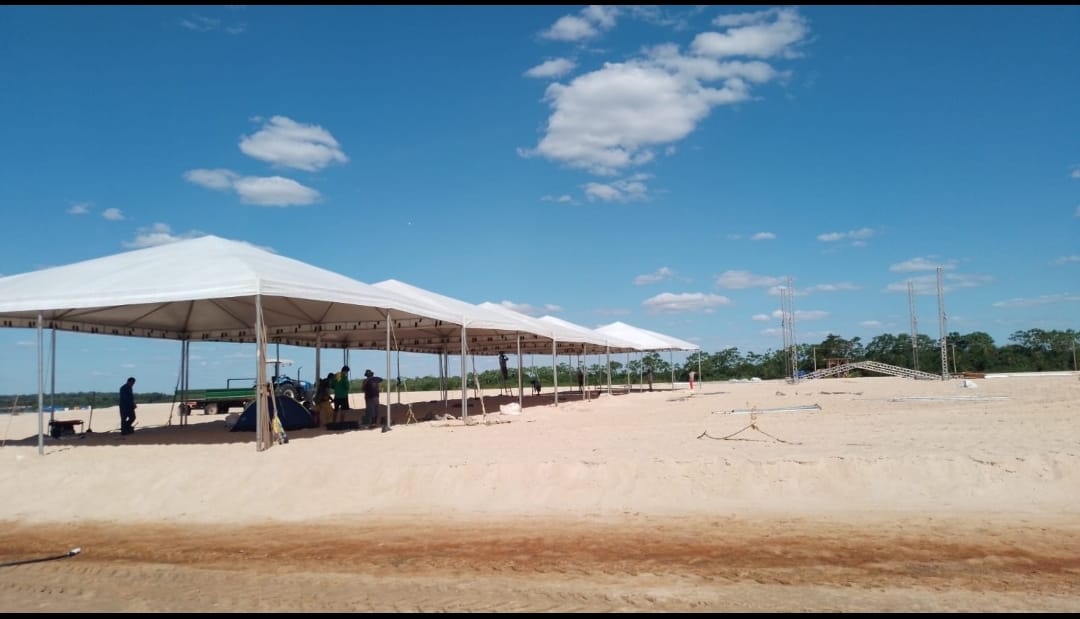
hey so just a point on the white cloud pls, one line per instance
(218, 179)
(623, 113)
(198, 23)
(602, 15)
(113, 214)
(921, 264)
(563, 199)
(838, 287)
(611, 118)
(927, 284)
(871, 324)
(586, 25)
(1075, 172)
(614, 117)
(624, 190)
(659, 275)
(763, 236)
(761, 318)
(570, 28)
(258, 190)
(79, 208)
(1047, 299)
(274, 191)
(158, 234)
(774, 291)
(686, 302)
(738, 280)
(802, 315)
(285, 142)
(531, 310)
(775, 32)
(857, 236)
(556, 67)
(1064, 260)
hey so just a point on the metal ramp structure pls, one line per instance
(873, 366)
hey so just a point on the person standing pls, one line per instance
(323, 408)
(580, 380)
(127, 406)
(370, 388)
(692, 380)
(341, 392)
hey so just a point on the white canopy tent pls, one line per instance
(562, 338)
(648, 340)
(482, 330)
(214, 289)
(613, 344)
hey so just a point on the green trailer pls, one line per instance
(219, 401)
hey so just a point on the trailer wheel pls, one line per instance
(288, 392)
(211, 408)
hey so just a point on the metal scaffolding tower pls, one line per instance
(787, 323)
(941, 320)
(914, 326)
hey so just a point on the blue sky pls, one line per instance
(667, 167)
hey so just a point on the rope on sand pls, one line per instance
(752, 426)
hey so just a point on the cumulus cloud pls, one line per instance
(837, 287)
(763, 236)
(871, 324)
(563, 199)
(284, 142)
(927, 284)
(614, 117)
(761, 317)
(857, 237)
(668, 302)
(801, 315)
(274, 191)
(79, 208)
(588, 23)
(922, 264)
(1046, 299)
(157, 234)
(556, 67)
(764, 34)
(1075, 172)
(257, 190)
(113, 214)
(200, 23)
(661, 274)
(623, 190)
(1064, 260)
(531, 310)
(737, 280)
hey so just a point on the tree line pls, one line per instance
(1033, 350)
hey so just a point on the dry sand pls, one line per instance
(870, 494)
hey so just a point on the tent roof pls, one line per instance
(614, 344)
(647, 340)
(487, 331)
(205, 289)
(567, 340)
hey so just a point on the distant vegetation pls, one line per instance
(1034, 350)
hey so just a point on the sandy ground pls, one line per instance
(871, 494)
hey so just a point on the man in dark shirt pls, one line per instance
(127, 407)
